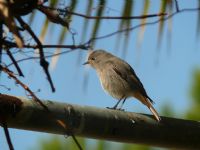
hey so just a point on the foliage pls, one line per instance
(194, 111)
(58, 143)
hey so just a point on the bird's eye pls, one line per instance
(93, 58)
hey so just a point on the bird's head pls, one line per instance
(97, 58)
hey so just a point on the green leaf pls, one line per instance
(101, 145)
(163, 8)
(44, 30)
(125, 23)
(86, 21)
(45, 27)
(195, 89)
(169, 25)
(63, 35)
(53, 3)
(99, 12)
(31, 17)
(85, 27)
(143, 21)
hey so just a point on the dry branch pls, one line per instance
(13, 76)
(43, 63)
(101, 123)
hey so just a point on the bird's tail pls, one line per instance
(148, 103)
(154, 112)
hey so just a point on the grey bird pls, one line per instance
(119, 79)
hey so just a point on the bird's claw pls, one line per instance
(114, 108)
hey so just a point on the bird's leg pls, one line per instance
(120, 108)
(115, 107)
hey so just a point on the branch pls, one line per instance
(176, 5)
(9, 44)
(26, 88)
(67, 11)
(35, 57)
(8, 139)
(43, 62)
(14, 62)
(118, 17)
(12, 110)
(141, 25)
(104, 124)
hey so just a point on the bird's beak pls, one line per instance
(87, 62)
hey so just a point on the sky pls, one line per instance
(165, 70)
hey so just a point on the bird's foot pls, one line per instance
(114, 108)
(111, 108)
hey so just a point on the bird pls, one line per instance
(119, 79)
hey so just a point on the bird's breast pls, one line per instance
(113, 84)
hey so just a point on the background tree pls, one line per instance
(130, 29)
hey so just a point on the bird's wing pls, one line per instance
(125, 71)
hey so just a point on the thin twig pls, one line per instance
(85, 45)
(177, 6)
(140, 25)
(48, 56)
(6, 131)
(11, 75)
(10, 44)
(7, 88)
(14, 62)
(117, 17)
(43, 62)
(76, 142)
(105, 17)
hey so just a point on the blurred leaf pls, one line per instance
(143, 21)
(193, 113)
(135, 147)
(195, 89)
(56, 143)
(167, 110)
(85, 27)
(99, 12)
(85, 23)
(53, 144)
(100, 145)
(31, 17)
(61, 143)
(71, 145)
(169, 26)
(7, 17)
(63, 35)
(163, 7)
(45, 26)
(125, 23)
(54, 59)
(53, 2)
(44, 30)
(194, 110)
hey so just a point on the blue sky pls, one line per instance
(165, 72)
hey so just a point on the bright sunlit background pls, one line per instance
(165, 69)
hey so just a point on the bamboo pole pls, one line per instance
(92, 122)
